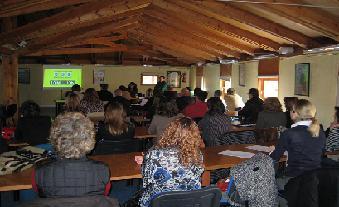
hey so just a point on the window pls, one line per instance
(268, 86)
(149, 79)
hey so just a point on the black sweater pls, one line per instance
(304, 151)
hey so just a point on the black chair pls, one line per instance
(205, 197)
(105, 147)
(243, 137)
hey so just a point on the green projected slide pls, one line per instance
(61, 77)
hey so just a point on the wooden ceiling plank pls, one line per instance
(71, 18)
(26, 7)
(228, 29)
(163, 43)
(189, 37)
(98, 40)
(169, 39)
(220, 10)
(197, 29)
(72, 51)
(312, 18)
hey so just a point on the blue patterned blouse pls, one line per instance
(162, 172)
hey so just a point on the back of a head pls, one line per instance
(272, 104)
(290, 102)
(91, 95)
(167, 107)
(76, 87)
(115, 117)
(306, 111)
(254, 92)
(72, 103)
(231, 91)
(196, 91)
(30, 109)
(217, 93)
(215, 106)
(72, 135)
(118, 92)
(104, 86)
(183, 134)
(202, 95)
(122, 88)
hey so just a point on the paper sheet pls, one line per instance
(239, 154)
(260, 148)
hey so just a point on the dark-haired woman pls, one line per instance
(332, 142)
(91, 102)
(166, 112)
(215, 122)
(115, 126)
(272, 115)
(175, 163)
(32, 128)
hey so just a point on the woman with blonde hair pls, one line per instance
(115, 126)
(304, 142)
(175, 163)
(72, 103)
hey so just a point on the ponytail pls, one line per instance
(314, 128)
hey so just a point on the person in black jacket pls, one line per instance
(32, 128)
(104, 94)
(252, 107)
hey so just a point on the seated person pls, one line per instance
(72, 103)
(32, 128)
(252, 107)
(218, 93)
(104, 94)
(304, 142)
(175, 163)
(332, 142)
(115, 126)
(120, 99)
(75, 89)
(72, 174)
(233, 100)
(289, 103)
(215, 123)
(91, 102)
(199, 108)
(272, 115)
(166, 112)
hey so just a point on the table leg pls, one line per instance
(206, 178)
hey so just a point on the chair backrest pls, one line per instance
(242, 137)
(11, 110)
(205, 197)
(104, 147)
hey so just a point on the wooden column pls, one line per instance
(10, 69)
(10, 78)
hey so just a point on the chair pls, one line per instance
(266, 136)
(104, 147)
(205, 197)
(243, 137)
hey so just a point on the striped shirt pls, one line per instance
(332, 142)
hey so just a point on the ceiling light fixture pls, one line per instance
(330, 48)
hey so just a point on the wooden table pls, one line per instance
(142, 133)
(123, 166)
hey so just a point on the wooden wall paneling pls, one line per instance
(226, 70)
(268, 67)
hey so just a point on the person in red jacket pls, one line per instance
(199, 108)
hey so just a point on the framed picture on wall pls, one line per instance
(302, 79)
(174, 79)
(242, 75)
(24, 76)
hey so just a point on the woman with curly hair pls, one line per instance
(272, 115)
(91, 102)
(175, 163)
(72, 174)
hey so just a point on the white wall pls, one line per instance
(211, 78)
(251, 80)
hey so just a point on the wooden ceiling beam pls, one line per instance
(165, 47)
(15, 8)
(177, 43)
(72, 51)
(197, 29)
(84, 33)
(313, 18)
(222, 10)
(84, 15)
(188, 37)
(97, 41)
(220, 26)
